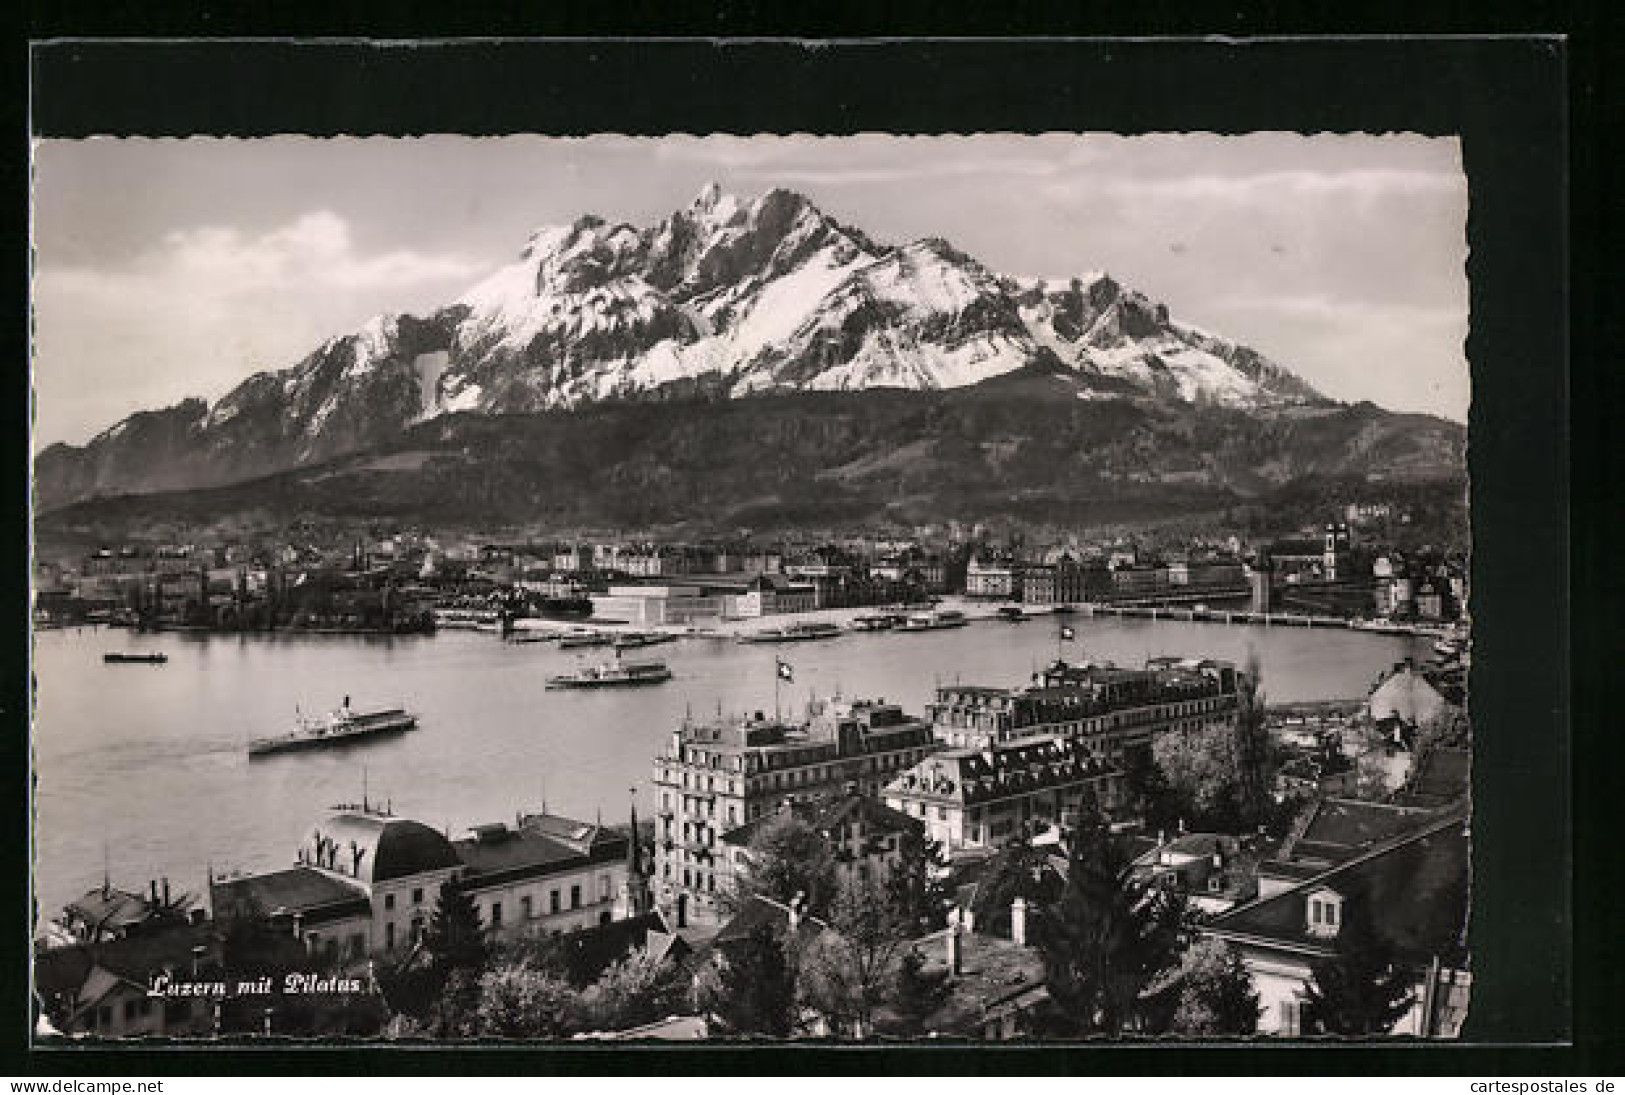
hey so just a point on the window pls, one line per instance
(358, 945)
(575, 897)
(553, 901)
(129, 1010)
(104, 1016)
(603, 887)
(496, 914)
(417, 896)
(389, 901)
(525, 909)
(389, 937)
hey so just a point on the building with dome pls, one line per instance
(366, 881)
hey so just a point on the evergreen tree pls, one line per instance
(1108, 943)
(1215, 992)
(750, 987)
(1359, 990)
(455, 938)
(917, 887)
(917, 994)
(1253, 753)
(1017, 870)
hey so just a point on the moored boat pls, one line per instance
(613, 674)
(1012, 614)
(575, 640)
(933, 621)
(794, 633)
(880, 622)
(343, 725)
(115, 657)
(636, 639)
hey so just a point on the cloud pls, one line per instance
(205, 306)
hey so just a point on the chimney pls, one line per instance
(955, 958)
(152, 886)
(1018, 921)
(166, 893)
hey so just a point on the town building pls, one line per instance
(1210, 869)
(1110, 709)
(366, 881)
(658, 605)
(980, 798)
(993, 577)
(713, 777)
(1412, 891)
(865, 835)
(1405, 700)
(547, 876)
(104, 989)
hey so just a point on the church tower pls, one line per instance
(635, 899)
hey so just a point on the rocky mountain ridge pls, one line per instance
(725, 298)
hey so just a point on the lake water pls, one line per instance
(147, 765)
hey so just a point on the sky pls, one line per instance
(173, 268)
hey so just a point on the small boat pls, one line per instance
(636, 639)
(343, 725)
(1012, 614)
(933, 621)
(873, 623)
(124, 658)
(613, 674)
(575, 640)
(1064, 610)
(795, 633)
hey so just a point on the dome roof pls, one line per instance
(371, 847)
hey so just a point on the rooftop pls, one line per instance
(535, 849)
(828, 813)
(304, 890)
(1413, 889)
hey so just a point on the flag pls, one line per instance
(1068, 634)
(785, 672)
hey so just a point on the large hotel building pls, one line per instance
(715, 777)
(1110, 710)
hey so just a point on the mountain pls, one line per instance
(1020, 448)
(725, 298)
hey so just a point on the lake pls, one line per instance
(147, 765)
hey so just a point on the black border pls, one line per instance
(1506, 97)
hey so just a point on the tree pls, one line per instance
(636, 990)
(749, 986)
(455, 938)
(1016, 870)
(916, 995)
(1449, 729)
(1359, 990)
(521, 1001)
(1108, 942)
(1200, 767)
(848, 970)
(1215, 992)
(1253, 753)
(787, 858)
(917, 888)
